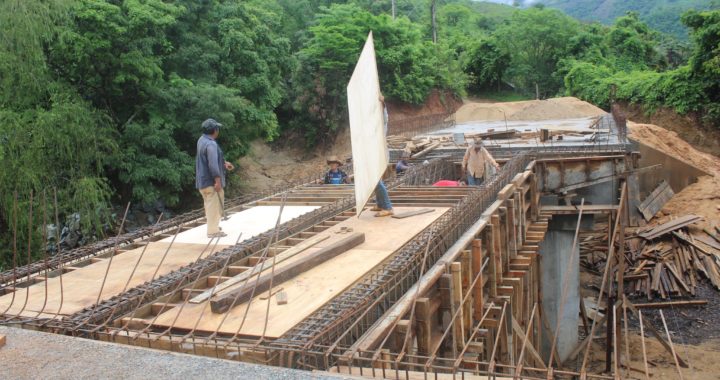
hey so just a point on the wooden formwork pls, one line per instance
(479, 302)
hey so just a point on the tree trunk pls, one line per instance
(393, 9)
(434, 24)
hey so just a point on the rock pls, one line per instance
(73, 222)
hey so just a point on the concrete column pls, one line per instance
(555, 253)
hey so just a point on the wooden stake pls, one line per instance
(672, 347)
(642, 341)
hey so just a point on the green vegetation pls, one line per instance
(102, 100)
(662, 15)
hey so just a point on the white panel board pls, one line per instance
(367, 131)
(249, 223)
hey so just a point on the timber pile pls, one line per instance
(665, 261)
(419, 144)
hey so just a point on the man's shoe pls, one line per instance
(384, 213)
(376, 208)
(217, 235)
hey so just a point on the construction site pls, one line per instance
(576, 259)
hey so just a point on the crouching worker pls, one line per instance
(210, 166)
(402, 164)
(476, 156)
(334, 175)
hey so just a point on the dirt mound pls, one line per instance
(689, 127)
(438, 102)
(701, 198)
(264, 167)
(549, 109)
(671, 144)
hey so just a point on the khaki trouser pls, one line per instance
(213, 208)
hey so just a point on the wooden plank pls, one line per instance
(657, 305)
(312, 289)
(656, 200)
(670, 226)
(412, 213)
(426, 150)
(301, 247)
(226, 301)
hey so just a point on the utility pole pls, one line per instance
(393, 9)
(434, 24)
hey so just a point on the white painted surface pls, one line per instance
(370, 155)
(249, 222)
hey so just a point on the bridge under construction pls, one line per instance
(462, 282)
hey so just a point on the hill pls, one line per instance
(662, 15)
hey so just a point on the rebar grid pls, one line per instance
(391, 280)
(90, 318)
(67, 257)
(346, 317)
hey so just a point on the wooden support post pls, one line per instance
(534, 200)
(477, 259)
(399, 334)
(467, 278)
(493, 270)
(497, 248)
(446, 298)
(424, 326)
(511, 225)
(458, 328)
(504, 238)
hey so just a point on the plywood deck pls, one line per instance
(80, 287)
(309, 291)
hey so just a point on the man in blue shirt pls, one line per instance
(210, 166)
(335, 176)
(402, 164)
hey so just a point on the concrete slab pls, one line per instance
(38, 355)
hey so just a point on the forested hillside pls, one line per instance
(101, 100)
(661, 15)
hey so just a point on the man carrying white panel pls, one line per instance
(383, 206)
(368, 128)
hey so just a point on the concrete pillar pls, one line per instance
(555, 253)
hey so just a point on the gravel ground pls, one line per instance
(37, 355)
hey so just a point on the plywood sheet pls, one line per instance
(80, 287)
(309, 291)
(250, 222)
(367, 131)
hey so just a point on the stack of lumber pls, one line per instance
(663, 261)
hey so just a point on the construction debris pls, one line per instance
(665, 261)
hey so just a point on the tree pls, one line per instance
(632, 43)
(407, 65)
(705, 58)
(536, 39)
(51, 140)
(486, 66)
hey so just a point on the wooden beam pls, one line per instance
(408, 214)
(245, 274)
(657, 305)
(224, 303)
